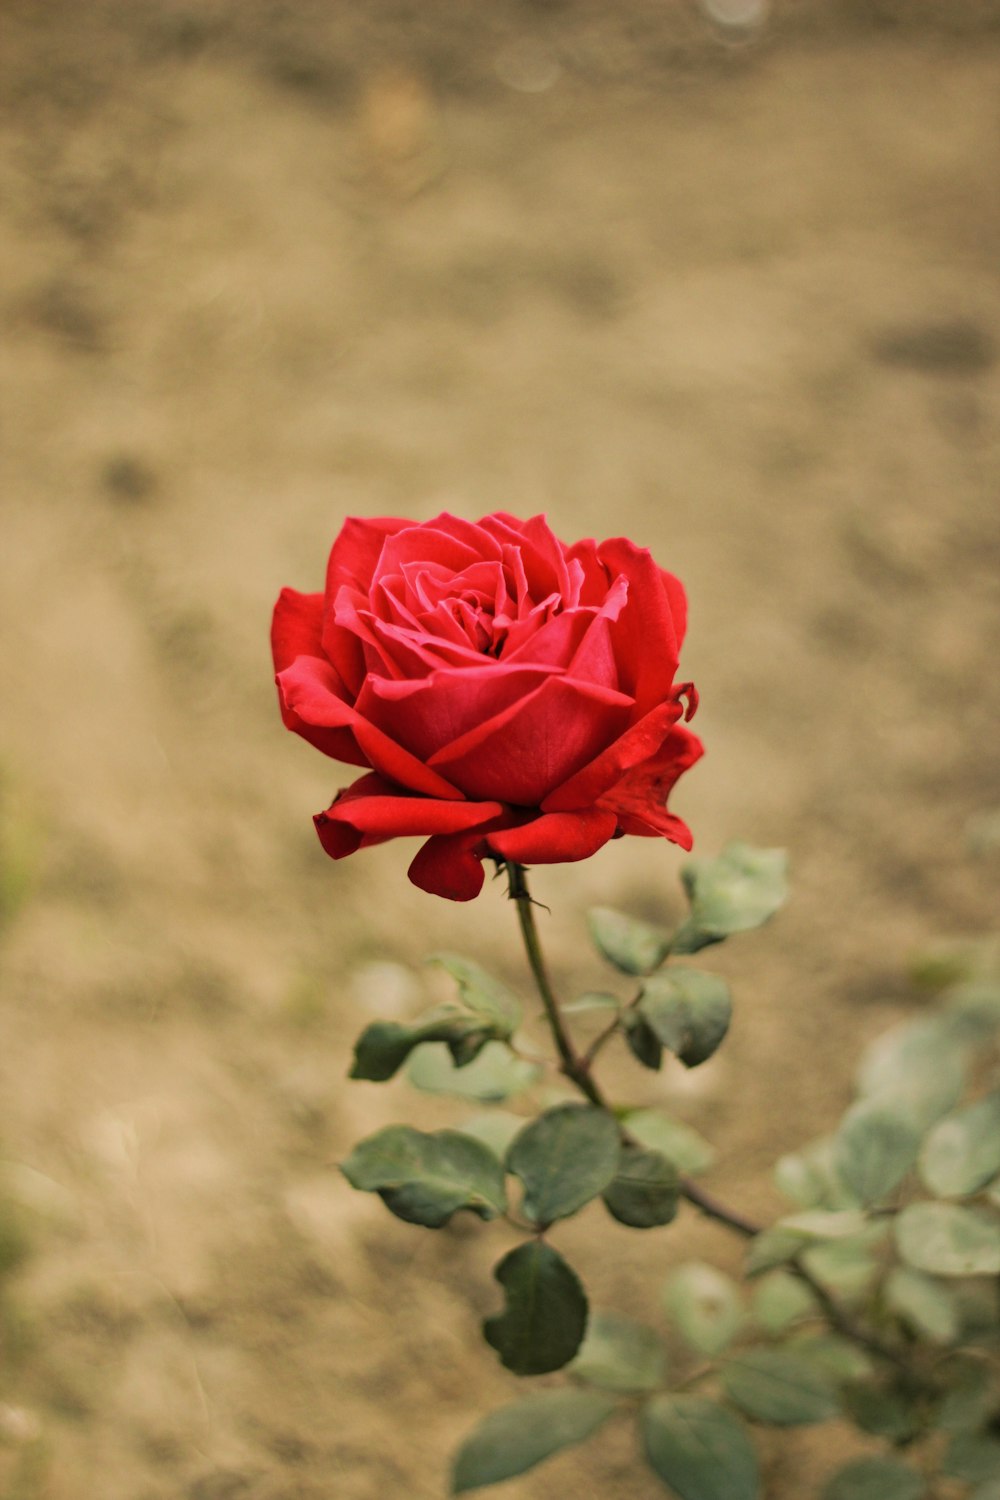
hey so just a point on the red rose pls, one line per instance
(511, 696)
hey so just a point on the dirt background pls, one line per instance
(730, 287)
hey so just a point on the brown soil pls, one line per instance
(732, 292)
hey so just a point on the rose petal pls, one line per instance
(373, 810)
(645, 636)
(637, 744)
(640, 799)
(556, 837)
(447, 866)
(309, 689)
(523, 753)
(542, 553)
(353, 560)
(295, 631)
(430, 714)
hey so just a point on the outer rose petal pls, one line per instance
(555, 838)
(373, 810)
(447, 865)
(646, 638)
(639, 801)
(353, 560)
(295, 632)
(636, 745)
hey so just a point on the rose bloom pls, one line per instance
(509, 696)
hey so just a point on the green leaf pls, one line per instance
(643, 1043)
(923, 1304)
(679, 1143)
(424, 1179)
(485, 996)
(495, 1075)
(496, 1128)
(962, 1152)
(592, 1000)
(645, 1189)
(949, 1240)
(781, 1299)
(631, 946)
(988, 1491)
(383, 1047)
(881, 1410)
(875, 1148)
(688, 1010)
(620, 1355)
(971, 1396)
(704, 1305)
(782, 1241)
(779, 1387)
(835, 1355)
(972, 1456)
(875, 1479)
(699, 1450)
(847, 1266)
(565, 1158)
(917, 1068)
(809, 1177)
(519, 1436)
(545, 1317)
(738, 891)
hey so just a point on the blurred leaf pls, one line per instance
(780, 1299)
(496, 1128)
(495, 1075)
(988, 1491)
(917, 1068)
(971, 1396)
(592, 1000)
(383, 1047)
(704, 1305)
(481, 993)
(972, 1456)
(836, 1355)
(847, 1266)
(973, 1009)
(924, 1305)
(519, 1436)
(424, 1179)
(874, 1150)
(645, 1189)
(620, 1355)
(564, 1159)
(678, 1142)
(778, 1386)
(875, 1479)
(738, 891)
(632, 946)
(688, 1010)
(881, 1410)
(545, 1316)
(643, 1043)
(962, 1152)
(809, 1177)
(791, 1235)
(949, 1240)
(699, 1450)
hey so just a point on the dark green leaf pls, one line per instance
(971, 1396)
(564, 1158)
(875, 1148)
(973, 1456)
(495, 1075)
(643, 1043)
(704, 1305)
(519, 1436)
(631, 946)
(949, 1240)
(917, 1068)
(780, 1299)
(837, 1356)
(962, 1152)
(881, 1410)
(545, 1317)
(737, 892)
(875, 1479)
(779, 1387)
(679, 1143)
(427, 1178)
(688, 1010)
(699, 1450)
(620, 1355)
(485, 996)
(384, 1046)
(923, 1304)
(644, 1191)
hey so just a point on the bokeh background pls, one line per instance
(721, 275)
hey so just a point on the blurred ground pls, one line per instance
(732, 290)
